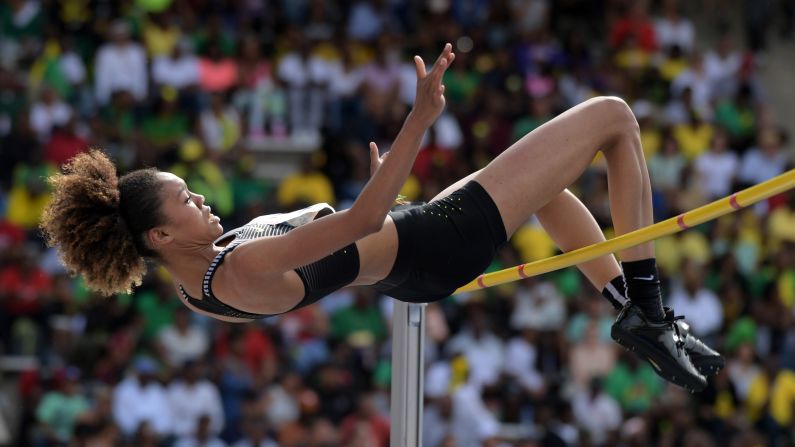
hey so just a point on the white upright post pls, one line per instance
(408, 334)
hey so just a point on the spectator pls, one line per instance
(716, 169)
(183, 341)
(691, 297)
(360, 324)
(202, 437)
(140, 399)
(160, 34)
(365, 423)
(304, 75)
(634, 25)
(597, 412)
(591, 358)
(722, 65)
(120, 66)
(192, 399)
(65, 143)
(255, 430)
(220, 127)
(178, 69)
(765, 161)
(522, 366)
(305, 187)
(49, 113)
(217, 72)
(633, 385)
(60, 409)
(673, 29)
(484, 351)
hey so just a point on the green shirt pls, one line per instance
(165, 129)
(351, 320)
(634, 390)
(156, 313)
(59, 412)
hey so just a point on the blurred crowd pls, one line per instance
(204, 88)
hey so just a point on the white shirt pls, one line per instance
(671, 33)
(73, 67)
(447, 132)
(183, 347)
(703, 309)
(520, 363)
(701, 88)
(471, 421)
(485, 355)
(43, 117)
(344, 83)
(540, 307)
(757, 167)
(177, 73)
(722, 70)
(715, 172)
(134, 404)
(282, 407)
(120, 68)
(190, 402)
(597, 416)
(294, 70)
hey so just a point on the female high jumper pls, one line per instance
(104, 227)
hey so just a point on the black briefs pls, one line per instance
(443, 245)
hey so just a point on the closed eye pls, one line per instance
(190, 196)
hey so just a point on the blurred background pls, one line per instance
(267, 105)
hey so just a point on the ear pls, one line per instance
(158, 238)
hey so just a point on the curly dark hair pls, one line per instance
(97, 221)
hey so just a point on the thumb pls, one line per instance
(374, 158)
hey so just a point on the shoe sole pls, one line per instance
(663, 369)
(708, 365)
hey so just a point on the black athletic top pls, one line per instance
(320, 278)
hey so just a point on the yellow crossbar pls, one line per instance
(673, 225)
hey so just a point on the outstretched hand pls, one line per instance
(430, 101)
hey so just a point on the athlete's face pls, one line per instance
(189, 219)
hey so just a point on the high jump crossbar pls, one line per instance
(682, 222)
(408, 325)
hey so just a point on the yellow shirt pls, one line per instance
(159, 41)
(780, 227)
(651, 140)
(693, 141)
(781, 396)
(311, 187)
(533, 243)
(24, 209)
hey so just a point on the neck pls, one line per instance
(187, 265)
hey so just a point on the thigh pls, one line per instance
(544, 162)
(456, 186)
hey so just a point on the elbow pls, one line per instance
(372, 226)
(365, 223)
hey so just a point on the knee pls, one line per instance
(614, 115)
(617, 114)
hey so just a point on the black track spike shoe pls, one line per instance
(659, 343)
(706, 360)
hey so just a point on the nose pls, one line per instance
(200, 199)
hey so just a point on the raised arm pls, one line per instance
(315, 240)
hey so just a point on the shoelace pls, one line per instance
(680, 342)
